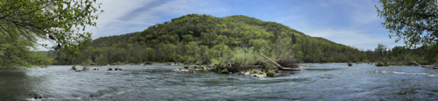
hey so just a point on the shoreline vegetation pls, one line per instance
(231, 44)
(258, 70)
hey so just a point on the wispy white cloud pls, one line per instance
(121, 17)
(177, 8)
(363, 12)
(360, 39)
(349, 22)
(137, 15)
(114, 10)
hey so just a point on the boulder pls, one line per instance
(380, 64)
(260, 75)
(270, 74)
(206, 68)
(117, 69)
(180, 70)
(254, 71)
(73, 68)
(36, 96)
(148, 63)
(224, 71)
(85, 68)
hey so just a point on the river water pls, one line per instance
(334, 81)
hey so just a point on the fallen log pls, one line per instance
(278, 65)
(413, 63)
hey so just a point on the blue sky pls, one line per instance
(350, 22)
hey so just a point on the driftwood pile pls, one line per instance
(284, 64)
(291, 63)
(287, 65)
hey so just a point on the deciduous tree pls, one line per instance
(414, 21)
(62, 22)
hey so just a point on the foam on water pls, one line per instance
(413, 73)
(116, 93)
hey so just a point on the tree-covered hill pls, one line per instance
(202, 38)
(111, 40)
(329, 41)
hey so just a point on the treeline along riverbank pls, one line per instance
(233, 40)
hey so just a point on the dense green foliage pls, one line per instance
(15, 53)
(202, 38)
(402, 54)
(411, 20)
(233, 40)
(414, 21)
(62, 22)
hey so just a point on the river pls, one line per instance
(335, 81)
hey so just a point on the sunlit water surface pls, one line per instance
(157, 82)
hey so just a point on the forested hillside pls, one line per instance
(203, 38)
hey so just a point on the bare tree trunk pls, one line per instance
(278, 65)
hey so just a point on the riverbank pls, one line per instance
(407, 63)
(259, 68)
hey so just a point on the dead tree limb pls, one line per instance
(278, 65)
